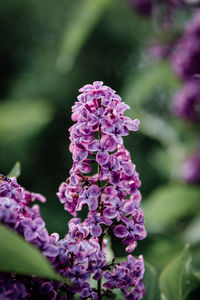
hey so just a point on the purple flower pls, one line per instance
(78, 274)
(116, 130)
(191, 168)
(130, 232)
(115, 279)
(94, 220)
(187, 63)
(186, 102)
(89, 196)
(87, 292)
(33, 229)
(114, 208)
(110, 170)
(142, 6)
(105, 145)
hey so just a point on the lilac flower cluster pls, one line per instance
(105, 180)
(15, 212)
(184, 55)
(187, 65)
(186, 102)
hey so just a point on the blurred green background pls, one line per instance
(49, 49)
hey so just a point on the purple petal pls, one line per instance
(94, 145)
(118, 139)
(85, 168)
(120, 231)
(110, 191)
(84, 128)
(107, 275)
(106, 221)
(102, 157)
(93, 120)
(92, 203)
(96, 230)
(97, 84)
(129, 207)
(51, 251)
(105, 101)
(115, 177)
(38, 223)
(104, 173)
(84, 112)
(120, 272)
(110, 212)
(108, 127)
(43, 235)
(129, 239)
(108, 143)
(29, 234)
(109, 284)
(80, 155)
(131, 247)
(94, 190)
(128, 168)
(133, 125)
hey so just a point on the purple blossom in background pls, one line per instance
(161, 51)
(186, 57)
(142, 6)
(186, 103)
(191, 168)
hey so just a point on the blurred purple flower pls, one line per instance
(186, 102)
(191, 168)
(142, 6)
(186, 63)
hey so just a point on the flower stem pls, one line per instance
(101, 236)
(99, 281)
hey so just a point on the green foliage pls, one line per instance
(164, 246)
(177, 279)
(167, 204)
(84, 19)
(139, 88)
(191, 233)
(19, 256)
(15, 171)
(24, 118)
(151, 282)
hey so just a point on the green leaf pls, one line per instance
(20, 119)
(86, 16)
(109, 252)
(137, 89)
(151, 282)
(191, 233)
(168, 204)
(15, 171)
(174, 280)
(19, 256)
(154, 126)
(163, 246)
